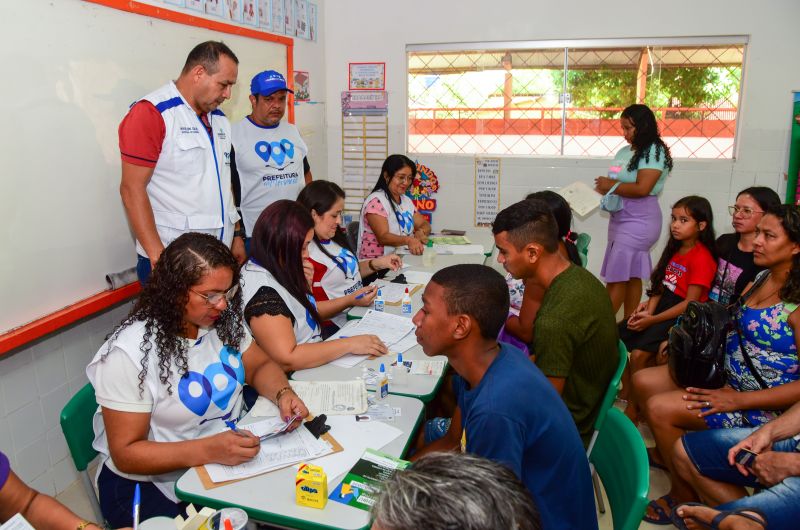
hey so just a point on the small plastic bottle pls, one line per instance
(428, 254)
(405, 308)
(399, 372)
(379, 301)
(383, 383)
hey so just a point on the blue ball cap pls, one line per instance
(268, 82)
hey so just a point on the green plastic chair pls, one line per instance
(76, 424)
(620, 458)
(606, 405)
(582, 244)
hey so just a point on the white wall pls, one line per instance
(37, 380)
(363, 30)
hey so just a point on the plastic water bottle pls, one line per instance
(379, 306)
(405, 308)
(429, 254)
(383, 383)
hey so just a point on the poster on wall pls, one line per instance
(487, 190)
(367, 76)
(301, 18)
(179, 3)
(369, 103)
(196, 5)
(301, 92)
(288, 17)
(265, 15)
(421, 191)
(312, 21)
(215, 7)
(277, 16)
(250, 12)
(234, 11)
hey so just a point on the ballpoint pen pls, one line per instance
(136, 502)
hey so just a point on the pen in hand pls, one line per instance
(365, 293)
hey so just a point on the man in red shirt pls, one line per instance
(175, 145)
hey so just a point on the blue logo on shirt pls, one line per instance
(309, 319)
(347, 262)
(278, 152)
(405, 220)
(216, 384)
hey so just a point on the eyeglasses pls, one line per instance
(214, 299)
(746, 212)
(408, 178)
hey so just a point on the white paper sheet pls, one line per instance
(581, 198)
(404, 344)
(420, 277)
(321, 397)
(392, 293)
(18, 522)
(427, 367)
(348, 360)
(386, 326)
(459, 249)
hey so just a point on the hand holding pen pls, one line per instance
(365, 296)
(233, 446)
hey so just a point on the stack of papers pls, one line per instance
(450, 240)
(392, 293)
(581, 198)
(278, 452)
(321, 397)
(391, 329)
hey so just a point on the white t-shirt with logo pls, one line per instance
(269, 161)
(341, 276)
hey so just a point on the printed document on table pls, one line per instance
(386, 326)
(581, 198)
(290, 448)
(392, 293)
(321, 397)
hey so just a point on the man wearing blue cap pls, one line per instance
(269, 159)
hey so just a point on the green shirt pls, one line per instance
(575, 337)
(624, 156)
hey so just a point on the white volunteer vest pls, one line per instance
(401, 223)
(341, 277)
(190, 190)
(269, 161)
(254, 277)
(208, 394)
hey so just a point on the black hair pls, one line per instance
(207, 55)
(392, 165)
(700, 210)
(526, 222)
(789, 217)
(645, 135)
(277, 245)
(766, 198)
(477, 291)
(319, 196)
(162, 303)
(563, 214)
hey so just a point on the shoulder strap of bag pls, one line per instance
(614, 187)
(746, 356)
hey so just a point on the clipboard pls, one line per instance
(209, 484)
(410, 293)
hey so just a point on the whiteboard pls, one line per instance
(71, 70)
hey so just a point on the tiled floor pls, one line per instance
(76, 499)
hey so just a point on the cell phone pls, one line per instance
(745, 458)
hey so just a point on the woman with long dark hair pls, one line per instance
(337, 281)
(279, 307)
(766, 340)
(172, 374)
(388, 217)
(640, 169)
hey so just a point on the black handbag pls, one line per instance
(697, 343)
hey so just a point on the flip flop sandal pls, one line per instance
(652, 462)
(662, 518)
(678, 521)
(717, 520)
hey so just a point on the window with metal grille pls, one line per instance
(560, 98)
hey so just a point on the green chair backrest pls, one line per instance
(620, 458)
(76, 423)
(582, 244)
(613, 386)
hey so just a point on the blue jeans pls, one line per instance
(116, 500)
(143, 269)
(708, 451)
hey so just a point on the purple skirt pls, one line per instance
(632, 232)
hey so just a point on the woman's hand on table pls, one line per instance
(389, 261)
(420, 234)
(367, 295)
(603, 184)
(291, 406)
(366, 345)
(415, 246)
(232, 447)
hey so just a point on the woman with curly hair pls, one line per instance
(279, 306)
(640, 170)
(170, 377)
(761, 363)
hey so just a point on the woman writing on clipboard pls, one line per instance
(388, 217)
(640, 169)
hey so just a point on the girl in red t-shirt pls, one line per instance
(684, 273)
